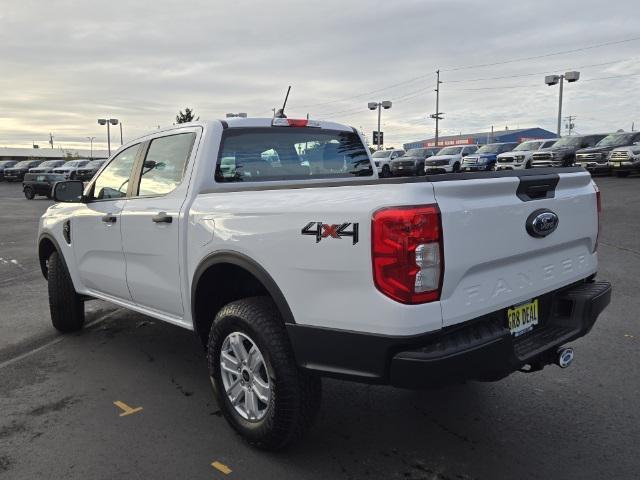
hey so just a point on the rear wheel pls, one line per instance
(260, 389)
(66, 306)
(29, 193)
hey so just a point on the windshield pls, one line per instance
(416, 152)
(23, 164)
(303, 154)
(50, 163)
(382, 154)
(493, 148)
(7, 163)
(74, 163)
(527, 146)
(568, 142)
(450, 151)
(616, 140)
(96, 163)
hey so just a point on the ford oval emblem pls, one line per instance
(541, 223)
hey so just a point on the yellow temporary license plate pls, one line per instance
(522, 318)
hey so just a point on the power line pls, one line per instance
(546, 55)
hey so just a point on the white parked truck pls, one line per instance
(277, 243)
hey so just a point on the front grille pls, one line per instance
(589, 156)
(470, 161)
(506, 159)
(542, 156)
(437, 163)
(621, 155)
(405, 163)
(59, 171)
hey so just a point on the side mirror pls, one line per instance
(69, 191)
(464, 154)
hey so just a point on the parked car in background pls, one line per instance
(486, 156)
(412, 162)
(520, 157)
(382, 160)
(69, 168)
(596, 159)
(448, 159)
(89, 170)
(47, 166)
(563, 152)
(18, 171)
(625, 160)
(4, 164)
(39, 184)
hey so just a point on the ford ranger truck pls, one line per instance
(291, 264)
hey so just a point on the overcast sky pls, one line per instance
(65, 63)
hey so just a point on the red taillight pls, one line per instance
(599, 211)
(407, 253)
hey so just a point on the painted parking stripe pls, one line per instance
(126, 409)
(221, 467)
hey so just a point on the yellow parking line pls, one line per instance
(221, 467)
(126, 409)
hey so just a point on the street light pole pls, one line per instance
(91, 140)
(560, 105)
(108, 122)
(379, 105)
(121, 143)
(550, 80)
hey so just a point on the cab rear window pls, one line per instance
(287, 153)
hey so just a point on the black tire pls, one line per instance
(456, 167)
(527, 165)
(29, 193)
(296, 393)
(386, 171)
(622, 174)
(66, 306)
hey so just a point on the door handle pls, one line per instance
(162, 217)
(109, 218)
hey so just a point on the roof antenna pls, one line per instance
(280, 112)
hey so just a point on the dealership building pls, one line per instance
(498, 136)
(49, 154)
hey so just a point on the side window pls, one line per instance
(114, 180)
(40, 178)
(164, 164)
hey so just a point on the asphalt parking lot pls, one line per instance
(129, 396)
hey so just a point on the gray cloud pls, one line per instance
(63, 64)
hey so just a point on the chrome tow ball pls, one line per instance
(564, 357)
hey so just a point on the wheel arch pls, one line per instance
(46, 246)
(251, 279)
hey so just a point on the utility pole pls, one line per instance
(51, 139)
(438, 115)
(570, 125)
(121, 134)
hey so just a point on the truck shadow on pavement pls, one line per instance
(467, 431)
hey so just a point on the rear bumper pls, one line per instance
(594, 166)
(482, 349)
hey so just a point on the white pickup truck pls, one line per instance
(275, 241)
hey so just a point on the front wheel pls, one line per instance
(262, 392)
(29, 193)
(456, 167)
(386, 171)
(527, 165)
(65, 305)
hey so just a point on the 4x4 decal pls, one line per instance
(323, 230)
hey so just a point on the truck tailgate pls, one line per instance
(491, 261)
